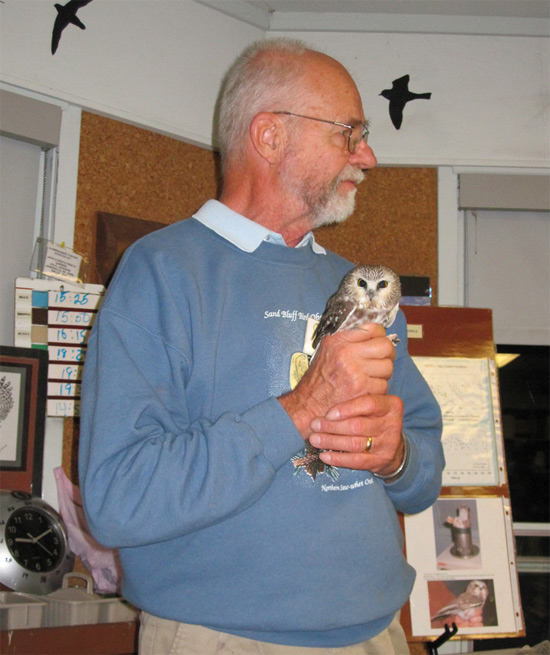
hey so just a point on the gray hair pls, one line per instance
(263, 78)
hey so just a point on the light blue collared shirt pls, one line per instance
(241, 231)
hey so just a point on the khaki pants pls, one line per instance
(164, 637)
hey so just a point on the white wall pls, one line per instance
(158, 63)
(489, 104)
(508, 270)
(19, 173)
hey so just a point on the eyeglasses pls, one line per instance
(356, 133)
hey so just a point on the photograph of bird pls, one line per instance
(466, 603)
(398, 96)
(367, 294)
(66, 14)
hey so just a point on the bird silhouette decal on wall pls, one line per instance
(398, 96)
(66, 14)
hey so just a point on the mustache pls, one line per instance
(352, 174)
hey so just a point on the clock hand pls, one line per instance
(36, 540)
(42, 535)
(27, 541)
(44, 548)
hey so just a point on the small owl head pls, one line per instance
(377, 286)
(478, 588)
(367, 294)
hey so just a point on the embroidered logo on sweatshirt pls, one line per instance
(307, 460)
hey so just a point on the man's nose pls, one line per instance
(363, 157)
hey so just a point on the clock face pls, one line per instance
(34, 549)
(33, 539)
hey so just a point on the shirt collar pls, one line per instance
(242, 232)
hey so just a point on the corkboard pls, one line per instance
(134, 172)
(127, 170)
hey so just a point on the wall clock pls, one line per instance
(34, 548)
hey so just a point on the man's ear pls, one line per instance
(267, 136)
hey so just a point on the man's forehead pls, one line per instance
(339, 107)
(324, 69)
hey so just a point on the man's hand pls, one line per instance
(341, 401)
(374, 422)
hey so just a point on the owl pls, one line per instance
(466, 603)
(367, 294)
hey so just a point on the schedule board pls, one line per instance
(57, 317)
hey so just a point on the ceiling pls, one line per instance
(505, 17)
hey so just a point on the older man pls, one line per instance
(192, 434)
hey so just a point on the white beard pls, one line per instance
(326, 205)
(337, 207)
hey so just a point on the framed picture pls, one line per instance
(23, 387)
(114, 233)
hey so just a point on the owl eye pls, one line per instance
(382, 284)
(361, 282)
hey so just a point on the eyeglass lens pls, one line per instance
(358, 134)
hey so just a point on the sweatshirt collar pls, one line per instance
(242, 232)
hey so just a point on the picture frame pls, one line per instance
(114, 233)
(23, 390)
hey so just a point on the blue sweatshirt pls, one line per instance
(187, 458)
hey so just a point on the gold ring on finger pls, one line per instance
(369, 444)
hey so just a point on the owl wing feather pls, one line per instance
(391, 316)
(463, 604)
(336, 314)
